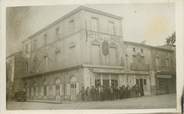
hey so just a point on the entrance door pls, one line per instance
(73, 91)
(163, 86)
(73, 88)
(140, 83)
(141, 87)
(58, 97)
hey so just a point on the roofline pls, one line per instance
(70, 14)
(13, 54)
(149, 46)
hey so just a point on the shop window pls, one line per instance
(106, 83)
(114, 83)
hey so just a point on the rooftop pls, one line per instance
(149, 46)
(72, 13)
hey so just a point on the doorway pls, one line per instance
(140, 83)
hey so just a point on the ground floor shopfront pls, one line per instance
(165, 83)
(67, 84)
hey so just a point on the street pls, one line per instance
(160, 101)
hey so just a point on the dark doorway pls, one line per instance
(140, 83)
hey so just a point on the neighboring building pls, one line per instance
(156, 64)
(15, 70)
(85, 48)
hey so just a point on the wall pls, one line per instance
(61, 49)
(95, 37)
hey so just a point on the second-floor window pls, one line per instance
(34, 44)
(167, 62)
(26, 48)
(57, 31)
(45, 39)
(134, 50)
(111, 27)
(157, 60)
(94, 24)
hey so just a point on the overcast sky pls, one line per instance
(150, 22)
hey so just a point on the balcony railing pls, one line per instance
(139, 67)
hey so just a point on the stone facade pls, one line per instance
(82, 49)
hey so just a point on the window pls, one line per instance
(94, 24)
(26, 48)
(133, 49)
(57, 30)
(46, 60)
(144, 81)
(45, 39)
(34, 44)
(95, 54)
(71, 26)
(111, 27)
(26, 65)
(142, 51)
(113, 56)
(167, 61)
(114, 83)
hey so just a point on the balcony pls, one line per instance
(164, 68)
(96, 34)
(139, 67)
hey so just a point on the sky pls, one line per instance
(152, 23)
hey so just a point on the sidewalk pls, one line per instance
(148, 102)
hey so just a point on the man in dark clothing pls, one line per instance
(92, 93)
(82, 94)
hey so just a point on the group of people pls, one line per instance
(102, 93)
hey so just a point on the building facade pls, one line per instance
(85, 48)
(158, 65)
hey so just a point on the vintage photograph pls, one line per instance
(93, 56)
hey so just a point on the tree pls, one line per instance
(171, 40)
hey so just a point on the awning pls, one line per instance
(164, 76)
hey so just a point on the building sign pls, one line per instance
(164, 76)
(105, 48)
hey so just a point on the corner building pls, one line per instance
(83, 48)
